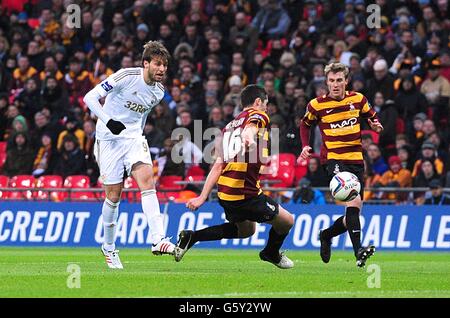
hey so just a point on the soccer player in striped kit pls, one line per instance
(236, 171)
(339, 115)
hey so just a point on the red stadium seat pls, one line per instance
(374, 134)
(169, 183)
(300, 171)
(33, 23)
(287, 159)
(2, 159)
(4, 184)
(49, 182)
(77, 182)
(83, 196)
(195, 178)
(21, 182)
(3, 145)
(195, 171)
(282, 167)
(130, 183)
(164, 197)
(286, 175)
(99, 195)
(168, 187)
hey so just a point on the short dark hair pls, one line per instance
(155, 49)
(250, 93)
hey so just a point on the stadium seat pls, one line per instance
(21, 182)
(286, 175)
(169, 183)
(49, 182)
(3, 145)
(300, 171)
(83, 196)
(282, 167)
(164, 197)
(374, 134)
(78, 182)
(4, 184)
(2, 159)
(195, 178)
(101, 195)
(130, 183)
(286, 159)
(195, 171)
(33, 23)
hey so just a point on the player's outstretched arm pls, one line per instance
(91, 99)
(211, 180)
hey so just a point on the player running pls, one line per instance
(131, 94)
(339, 116)
(236, 172)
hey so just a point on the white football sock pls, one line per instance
(110, 212)
(150, 206)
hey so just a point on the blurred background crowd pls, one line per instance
(218, 47)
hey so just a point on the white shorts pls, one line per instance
(113, 156)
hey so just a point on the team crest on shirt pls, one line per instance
(106, 86)
(351, 106)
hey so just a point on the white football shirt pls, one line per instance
(129, 100)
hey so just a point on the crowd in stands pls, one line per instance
(218, 47)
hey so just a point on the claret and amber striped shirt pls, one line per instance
(340, 125)
(240, 174)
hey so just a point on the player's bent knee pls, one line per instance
(114, 197)
(246, 230)
(246, 233)
(290, 220)
(146, 183)
(287, 219)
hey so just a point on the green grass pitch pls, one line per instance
(42, 272)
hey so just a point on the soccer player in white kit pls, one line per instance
(131, 94)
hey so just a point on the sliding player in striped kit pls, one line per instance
(236, 172)
(131, 94)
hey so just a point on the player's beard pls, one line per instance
(154, 77)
